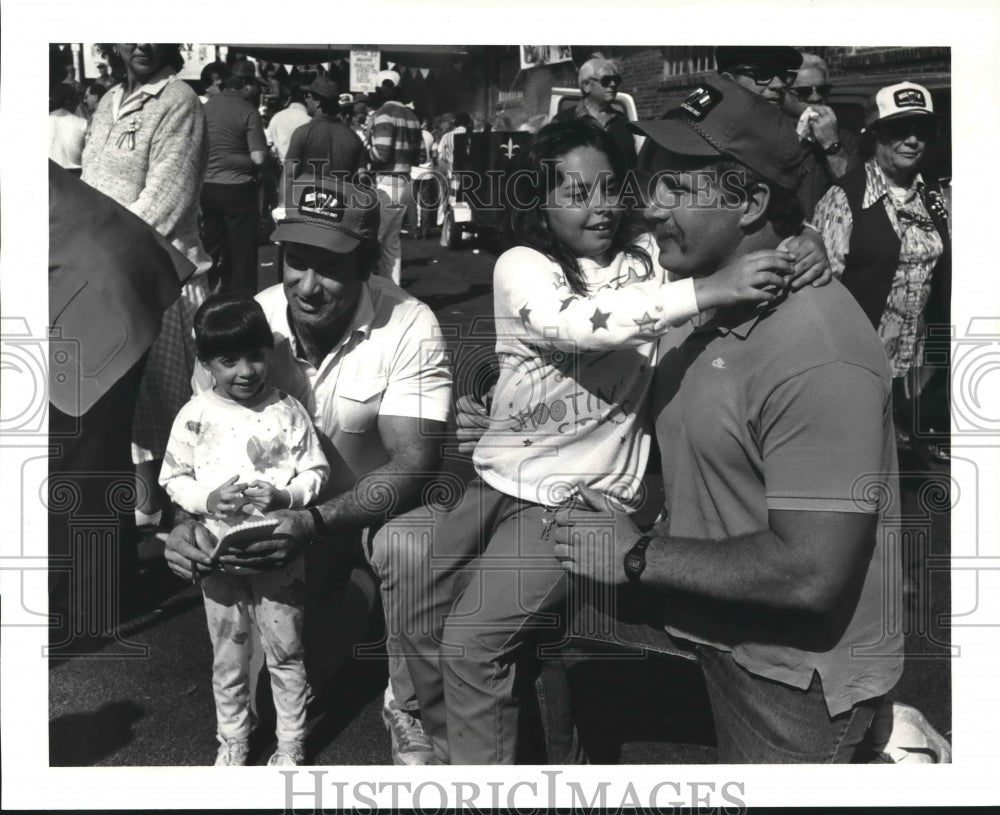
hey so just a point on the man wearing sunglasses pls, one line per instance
(796, 82)
(767, 70)
(599, 80)
(830, 150)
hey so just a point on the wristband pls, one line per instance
(319, 525)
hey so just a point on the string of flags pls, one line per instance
(344, 65)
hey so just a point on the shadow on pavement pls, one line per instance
(84, 739)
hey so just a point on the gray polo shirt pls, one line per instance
(786, 409)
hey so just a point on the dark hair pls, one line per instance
(229, 324)
(96, 89)
(296, 93)
(463, 119)
(331, 107)
(535, 177)
(219, 69)
(237, 82)
(63, 96)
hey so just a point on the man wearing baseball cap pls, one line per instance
(393, 147)
(886, 230)
(773, 568)
(368, 362)
(325, 145)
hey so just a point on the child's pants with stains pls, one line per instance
(273, 602)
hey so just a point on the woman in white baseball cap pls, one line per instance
(887, 233)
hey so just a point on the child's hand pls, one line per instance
(226, 498)
(266, 497)
(811, 263)
(754, 278)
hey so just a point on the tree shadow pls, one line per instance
(84, 739)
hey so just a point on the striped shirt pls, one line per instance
(395, 139)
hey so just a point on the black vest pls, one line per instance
(873, 253)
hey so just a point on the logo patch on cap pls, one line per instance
(322, 204)
(701, 101)
(909, 98)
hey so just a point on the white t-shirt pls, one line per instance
(570, 407)
(270, 438)
(67, 132)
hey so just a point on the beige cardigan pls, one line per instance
(148, 152)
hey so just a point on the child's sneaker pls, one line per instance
(232, 752)
(288, 754)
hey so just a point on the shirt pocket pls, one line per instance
(358, 401)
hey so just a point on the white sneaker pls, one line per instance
(410, 744)
(902, 735)
(288, 754)
(232, 752)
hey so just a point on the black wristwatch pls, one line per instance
(635, 560)
(319, 525)
(833, 149)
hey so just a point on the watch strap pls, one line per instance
(635, 560)
(319, 525)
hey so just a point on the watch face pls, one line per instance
(634, 564)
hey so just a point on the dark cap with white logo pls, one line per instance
(330, 214)
(722, 118)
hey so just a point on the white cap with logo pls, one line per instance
(896, 101)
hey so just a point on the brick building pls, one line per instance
(658, 76)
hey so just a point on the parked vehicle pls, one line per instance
(478, 194)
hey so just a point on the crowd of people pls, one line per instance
(760, 309)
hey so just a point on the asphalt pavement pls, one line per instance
(145, 699)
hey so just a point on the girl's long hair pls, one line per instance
(535, 176)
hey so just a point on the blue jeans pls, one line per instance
(760, 721)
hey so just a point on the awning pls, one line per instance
(412, 56)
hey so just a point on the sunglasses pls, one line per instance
(923, 129)
(607, 80)
(763, 76)
(803, 92)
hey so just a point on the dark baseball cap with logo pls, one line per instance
(721, 118)
(330, 214)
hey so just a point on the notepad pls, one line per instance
(244, 534)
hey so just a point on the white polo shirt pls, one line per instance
(391, 362)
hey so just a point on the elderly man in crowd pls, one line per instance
(830, 150)
(798, 83)
(393, 147)
(599, 80)
(368, 362)
(774, 568)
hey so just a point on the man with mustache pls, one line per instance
(774, 568)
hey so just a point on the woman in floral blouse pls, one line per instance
(147, 149)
